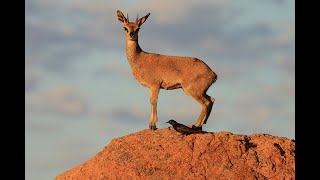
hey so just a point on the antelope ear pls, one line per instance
(142, 20)
(121, 17)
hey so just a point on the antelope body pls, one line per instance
(156, 72)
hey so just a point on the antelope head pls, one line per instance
(131, 28)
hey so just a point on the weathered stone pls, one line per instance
(166, 154)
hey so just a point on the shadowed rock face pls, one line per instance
(167, 154)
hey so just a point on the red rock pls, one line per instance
(166, 154)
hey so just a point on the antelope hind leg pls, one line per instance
(209, 108)
(205, 106)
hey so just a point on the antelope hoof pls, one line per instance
(197, 128)
(153, 128)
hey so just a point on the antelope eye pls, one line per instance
(125, 29)
(137, 30)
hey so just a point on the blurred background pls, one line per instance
(80, 92)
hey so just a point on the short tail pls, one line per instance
(216, 77)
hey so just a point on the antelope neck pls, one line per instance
(133, 50)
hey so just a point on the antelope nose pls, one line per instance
(131, 34)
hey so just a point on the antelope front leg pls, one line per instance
(154, 92)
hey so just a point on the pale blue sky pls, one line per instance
(80, 93)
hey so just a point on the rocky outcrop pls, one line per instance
(166, 154)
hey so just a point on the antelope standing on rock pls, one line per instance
(156, 72)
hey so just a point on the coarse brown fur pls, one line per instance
(156, 72)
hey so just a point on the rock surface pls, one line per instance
(166, 154)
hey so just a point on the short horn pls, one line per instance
(127, 17)
(137, 17)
